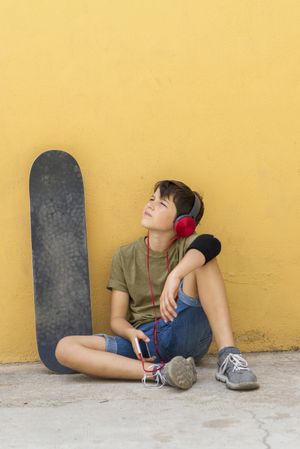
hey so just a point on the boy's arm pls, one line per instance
(193, 259)
(202, 249)
(119, 307)
(119, 323)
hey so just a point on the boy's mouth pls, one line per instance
(147, 213)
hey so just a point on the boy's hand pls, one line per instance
(132, 334)
(168, 298)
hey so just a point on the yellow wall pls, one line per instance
(138, 90)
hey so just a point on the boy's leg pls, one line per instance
(86, 354)
(207, 284)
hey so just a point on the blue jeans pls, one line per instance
(189, 334)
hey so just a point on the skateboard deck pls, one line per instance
(59, 253)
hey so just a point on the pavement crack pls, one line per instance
(262, 428)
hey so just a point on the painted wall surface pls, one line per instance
(137, 91)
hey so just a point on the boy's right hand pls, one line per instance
(135, 333)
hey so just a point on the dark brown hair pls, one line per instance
(182, 196)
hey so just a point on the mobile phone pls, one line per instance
(139, 348)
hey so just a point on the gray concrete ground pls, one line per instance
(40, 409)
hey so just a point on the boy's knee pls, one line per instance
(189, 285)
(212, 264)
(64, 348)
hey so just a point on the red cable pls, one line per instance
(153, 304)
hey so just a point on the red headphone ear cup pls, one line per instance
(185, 226)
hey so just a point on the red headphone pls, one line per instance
(185, 225)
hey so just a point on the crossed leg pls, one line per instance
(86, 354)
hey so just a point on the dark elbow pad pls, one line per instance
(208, 245)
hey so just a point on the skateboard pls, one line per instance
(59, 253)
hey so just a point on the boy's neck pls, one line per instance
(160, 241)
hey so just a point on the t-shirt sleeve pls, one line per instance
(117, 279)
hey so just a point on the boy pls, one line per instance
(168, 298)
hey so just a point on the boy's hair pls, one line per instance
(182, 196)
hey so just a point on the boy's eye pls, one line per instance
(163, 204)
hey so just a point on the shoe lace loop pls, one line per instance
(159, 378)
(238, 362)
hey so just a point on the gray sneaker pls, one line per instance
(179, 372)
(236, 374)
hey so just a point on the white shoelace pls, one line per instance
(239, 363)
(160, 379)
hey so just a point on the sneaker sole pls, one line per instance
(181, 373)
(241, 386)
(192, 363)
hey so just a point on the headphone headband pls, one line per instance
(196, 208)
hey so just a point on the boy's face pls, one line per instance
(159, 213)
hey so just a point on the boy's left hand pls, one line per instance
(168, 298)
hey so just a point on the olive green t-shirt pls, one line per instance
(129, 274)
